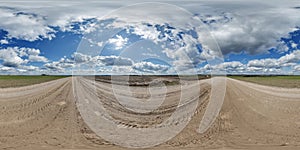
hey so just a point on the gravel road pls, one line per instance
(79, 113)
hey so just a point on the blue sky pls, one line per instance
(136, 37)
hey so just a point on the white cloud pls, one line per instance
(151, 55)
(291, 58)
(100, 44)
(5, 69)
(105, 64)
(254, 31)
(234, 65)
(3, 41)
(294, 45)
(297, 68)
(34, 52)
(36, 58)
(230, 67)
(119, 42)
(188, 56)
(20, 70)
(60, 65)
(30, 68)
(56, 66)
(25, 26)
(150, 67)
(146, 32)
(81, 58)
(275, 65)
(80, 61)
(267, 65)
(15, 56)
(11, 57)
(102, 60)
(264, 63)
(179, 41)
(256, 26)
(111, 61)
(119, 70)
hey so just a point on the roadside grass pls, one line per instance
(21, 80)
(279, 81)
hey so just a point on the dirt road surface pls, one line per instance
(50, 116)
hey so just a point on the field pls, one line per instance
(279, 81)
(17, 81)
(75, 113)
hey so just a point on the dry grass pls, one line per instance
(17, 81)
(279, 81)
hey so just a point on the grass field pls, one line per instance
(279, 81)
(17, 81)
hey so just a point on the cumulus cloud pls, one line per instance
(33, 52)
(102, 60)
(5, 69)
(81, 60)
(297, 68)
(294, 45)
(30, 68)
(54, 66)
(60, 65)
(230, 67)
(119, 42)
(233, 66)
(188, 56)
(3, 42)
(147, 32)
(267, 65)
(254, 32)
(16, 59)
(105, 64)
(11, 57)
(112, 61)
(27, 26)
(36, 58)
(291, 58)
(119, 70)
(33, 56)
(264, 63)
(20, 70)
(176, 42)
(150, 67)
(15, 56)
(287, 60)
(256, 23)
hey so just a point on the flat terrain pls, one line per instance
(51, 116)
(17, 81)
(279, 81)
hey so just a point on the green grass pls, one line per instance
(279, 81)
(17, 81)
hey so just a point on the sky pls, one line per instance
(157, 37)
